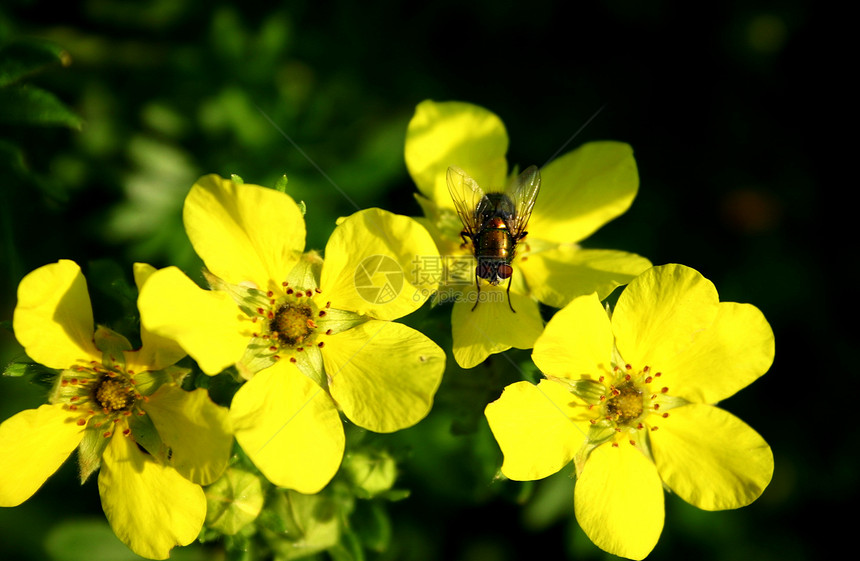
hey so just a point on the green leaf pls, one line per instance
(86, 540)
(90, 453)
(372, 525)
(302, 524)
(281, 184)
(371, 472)
(23, 58)
(234, 501)
(29, 105)
(17, 369)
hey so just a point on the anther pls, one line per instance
(81, 422)
(322, 313)
(293, 359)
(321, 344)
(664, 390)
(308, 293)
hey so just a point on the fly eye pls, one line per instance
(505, 271)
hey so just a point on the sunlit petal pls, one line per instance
(207, 324)
(53, 319)
(156, 352)
(491, 327)
(243, 232)
(454, 134)
(150, 507)
(725, 358)
(619, 501)
(196, 431)
(289, 427)
(539, 428)
(556, 276)
(373, 264)
(577, 341)
(661, 312)
(383, 375)
(34, 444)
(583, 190)
(710, 458)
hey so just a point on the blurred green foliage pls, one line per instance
(130, 102)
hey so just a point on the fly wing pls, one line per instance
(523, 192)
(466, 195)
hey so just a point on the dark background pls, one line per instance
(729, 110)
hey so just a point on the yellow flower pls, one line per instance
(630, 401)
(153, 443)
(311, 337)
(580, 191)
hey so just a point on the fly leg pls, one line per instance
(478, 284)
(467, 237)
(510, 278)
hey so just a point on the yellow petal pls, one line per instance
(539, 428)
(150, 507)
(207, 324)
(383, 375)
(196, 431)
(244, 233)
(710, 458)
(372, 265)
(725, 358)
(455, 134)
(34, 444)
(660, 313)
(492, 327)
(54, 319)
(583, 190)
(558, 275)
(577, 341)
(156, 352)
(619, 501)
(289, 427)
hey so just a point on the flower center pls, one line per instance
(292, 324)
(626, 406)
(102, 396)
(113, 395)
